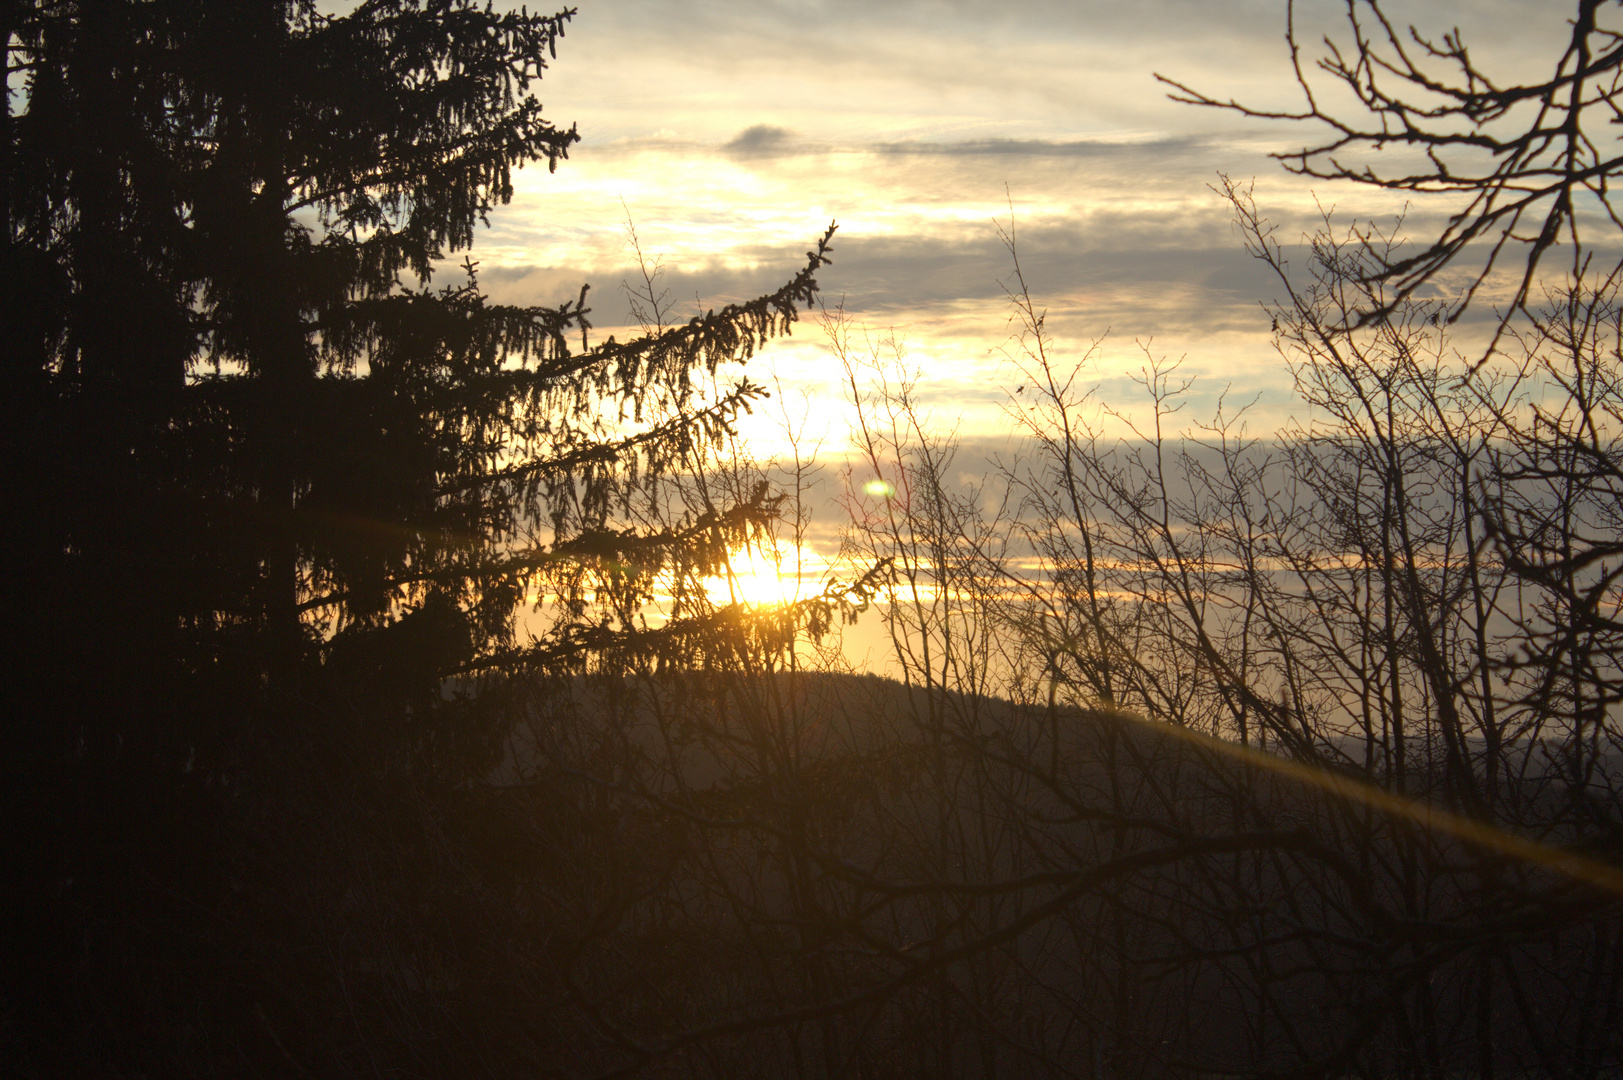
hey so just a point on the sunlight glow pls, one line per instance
(766, 579)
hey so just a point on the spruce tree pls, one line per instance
(278, 490)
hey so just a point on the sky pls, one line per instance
(731, 133)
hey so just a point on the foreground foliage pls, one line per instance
(279, 501)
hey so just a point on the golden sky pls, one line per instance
(732, 133)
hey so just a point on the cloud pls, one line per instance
(1164, 146)
(734, 132)
(759, 139)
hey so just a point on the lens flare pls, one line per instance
(879, 489)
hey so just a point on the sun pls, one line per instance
(768, 578)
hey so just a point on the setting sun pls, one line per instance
(765, 578)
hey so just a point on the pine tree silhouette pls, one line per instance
(273, 485)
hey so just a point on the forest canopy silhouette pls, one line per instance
(274, 483)
(371, 712)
